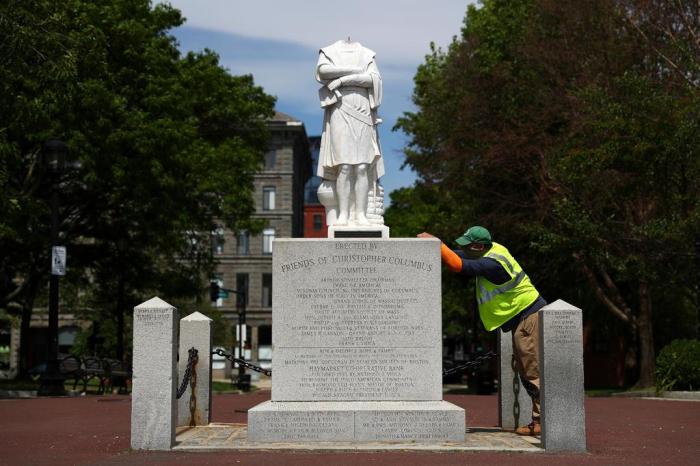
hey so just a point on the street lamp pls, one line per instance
(54, 153)
(241, 301)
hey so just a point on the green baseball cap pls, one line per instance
(475, 234)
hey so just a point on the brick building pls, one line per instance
(314, 213)
(245, 260)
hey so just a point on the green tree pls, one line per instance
(162, 146)
(574, 141)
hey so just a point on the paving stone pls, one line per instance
(221, 437)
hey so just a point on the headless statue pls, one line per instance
(350, 154)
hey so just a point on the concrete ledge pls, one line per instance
(682, 395)
(229, 437)
(18, 393)
(352, 421)
(651, 394)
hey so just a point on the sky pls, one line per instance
(277, 41)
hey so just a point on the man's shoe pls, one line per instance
(531, 429)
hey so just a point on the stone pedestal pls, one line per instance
(514, 404)
(195, 332)
(153, 402)
(561, 378)
(357, 340)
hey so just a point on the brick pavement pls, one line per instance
(95, 430)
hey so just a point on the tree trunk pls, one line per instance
(24, 341)
(24, 329)
(647, 359)
(120, 317)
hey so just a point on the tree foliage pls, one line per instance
(571, 130)
(162, 147)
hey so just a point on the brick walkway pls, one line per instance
(95, 430)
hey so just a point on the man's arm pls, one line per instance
(485, 267)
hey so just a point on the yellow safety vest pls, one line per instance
(500, 303)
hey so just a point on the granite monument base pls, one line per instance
(352, 421)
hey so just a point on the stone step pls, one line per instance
(407, 421)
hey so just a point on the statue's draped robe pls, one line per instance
(350, 119)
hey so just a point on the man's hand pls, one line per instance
(424, 235)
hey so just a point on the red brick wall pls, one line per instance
(310, 210)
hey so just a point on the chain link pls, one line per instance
(469, 365)
(191, 361)
(242, 362)
(193, 396)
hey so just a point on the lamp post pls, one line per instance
(241, 301)
(54, 153)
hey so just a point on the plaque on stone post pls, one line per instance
(514, 404)
(561, 378)
(153, 402)
(195, 332)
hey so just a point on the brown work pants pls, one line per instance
(526, 348)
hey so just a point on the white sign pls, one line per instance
(58, 260)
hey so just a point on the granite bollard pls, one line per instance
(153, 402)
(561, 378)
(514, 404)
(195, 332)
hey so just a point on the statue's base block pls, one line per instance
(348, 421)
(357, 231)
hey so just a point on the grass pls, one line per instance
(602, 392)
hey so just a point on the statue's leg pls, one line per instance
(361, 193)
(342, 190)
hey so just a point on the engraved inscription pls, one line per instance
(356, 320)
(355, 373)
(358, 311)
(563, 328)
(415, 425)
(301, 425)
(152, 317)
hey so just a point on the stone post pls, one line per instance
(561, 378)
(153, 403)
(195, 331)
(514, 404)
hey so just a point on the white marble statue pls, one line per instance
(350, 161)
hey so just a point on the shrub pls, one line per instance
(678, 366)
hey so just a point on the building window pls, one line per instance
(242, 281)
(265, 342)
(318, 222)
(270, 159)
(243, 243)
(267, 290)
(268, 236)
(217, 241)
(269, 197)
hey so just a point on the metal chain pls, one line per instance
(241, 362)
(191, 361)
(193, 396)
(471, 364)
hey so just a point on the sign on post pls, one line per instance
(58, 260)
